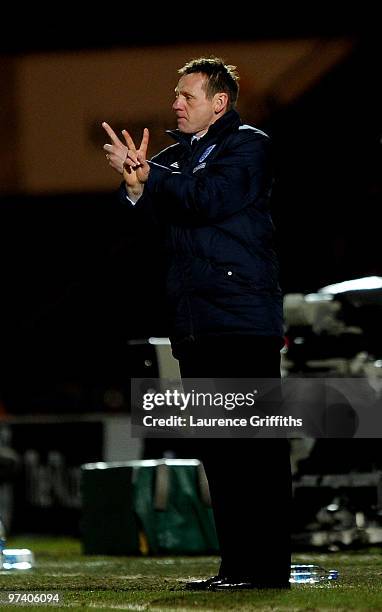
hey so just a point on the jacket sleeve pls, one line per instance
(145, 210)
(236, 178)
(146, 207)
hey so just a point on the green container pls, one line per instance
(147, 507)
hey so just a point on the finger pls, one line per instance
(129, 163)
(129, 140)
(144, 142)
(132, 155)
(110, 132)
(108, 148)
(141, 159)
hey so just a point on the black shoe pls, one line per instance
(204, 585)
(239, 585)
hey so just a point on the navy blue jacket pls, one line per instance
(213, 201)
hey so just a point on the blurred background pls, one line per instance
(79, 287)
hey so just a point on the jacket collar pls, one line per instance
(230, 120)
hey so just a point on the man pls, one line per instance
(211, 192)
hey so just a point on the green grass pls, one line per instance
(157, 583)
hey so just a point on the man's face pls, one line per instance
(194, 111)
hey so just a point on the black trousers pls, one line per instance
(249, 479)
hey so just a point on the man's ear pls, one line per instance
(221, 101)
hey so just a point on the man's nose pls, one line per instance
(177, 104)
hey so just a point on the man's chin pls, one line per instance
(183, 127)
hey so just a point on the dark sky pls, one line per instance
(56, 29)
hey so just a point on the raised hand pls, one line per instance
(135, 161)
(127, 160)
